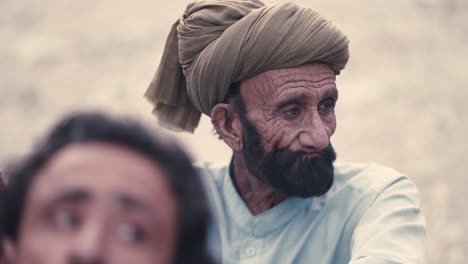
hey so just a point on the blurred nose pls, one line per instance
(89, 245)
(313, 136)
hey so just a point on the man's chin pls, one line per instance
(304, 178)
(307, 189)
(314, 191)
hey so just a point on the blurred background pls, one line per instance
(402, 96)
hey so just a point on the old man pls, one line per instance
(266, 77)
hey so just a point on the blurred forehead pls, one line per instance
(271, 84)
(103, 169)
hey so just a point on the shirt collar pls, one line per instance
(266, 222)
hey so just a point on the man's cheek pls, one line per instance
(278, 138)
(43, 249)
(330, 124)
(265, 129)
(131, 255)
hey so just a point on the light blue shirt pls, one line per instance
(370, 215)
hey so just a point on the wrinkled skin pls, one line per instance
(292, 110)
(98, 203)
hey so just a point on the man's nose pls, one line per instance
(89, 245)
(313, 136)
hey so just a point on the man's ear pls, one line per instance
(9, 251)
(228, 126)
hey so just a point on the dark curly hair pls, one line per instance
(2, 187)
(96, 127)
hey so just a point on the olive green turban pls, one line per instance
(220, 42)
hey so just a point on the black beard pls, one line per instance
(288, 172)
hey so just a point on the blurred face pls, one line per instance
(2, 184)
(98, 203)
(290, 119)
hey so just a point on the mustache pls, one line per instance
(288, 158)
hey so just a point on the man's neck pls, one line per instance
(257, 195)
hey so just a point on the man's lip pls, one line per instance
(311, 155)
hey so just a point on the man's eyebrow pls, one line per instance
(128, 202)
(73, 196)
(333, 92)
(291, 99)
(297, 97)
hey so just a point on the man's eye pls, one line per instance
(291, 113)
(327, 106)
(130, 233)
(64, 219)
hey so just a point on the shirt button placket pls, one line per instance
(250, 251)
(249, 255)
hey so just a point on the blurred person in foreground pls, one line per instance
(2, 187)
(266, 77)
(101, 190)
(2, 182)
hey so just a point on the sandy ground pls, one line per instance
(401, 96)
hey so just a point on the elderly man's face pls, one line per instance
(290, 114)
(98, 203)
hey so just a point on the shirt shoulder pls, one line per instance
(366, 177)
(212, 174)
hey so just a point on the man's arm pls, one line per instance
(392, 230)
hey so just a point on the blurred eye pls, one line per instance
(326, 106)
(130, 233)
(64, 219)
(291, 113)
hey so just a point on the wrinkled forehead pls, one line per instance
(316, 77)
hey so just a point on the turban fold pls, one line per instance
(219, 42)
